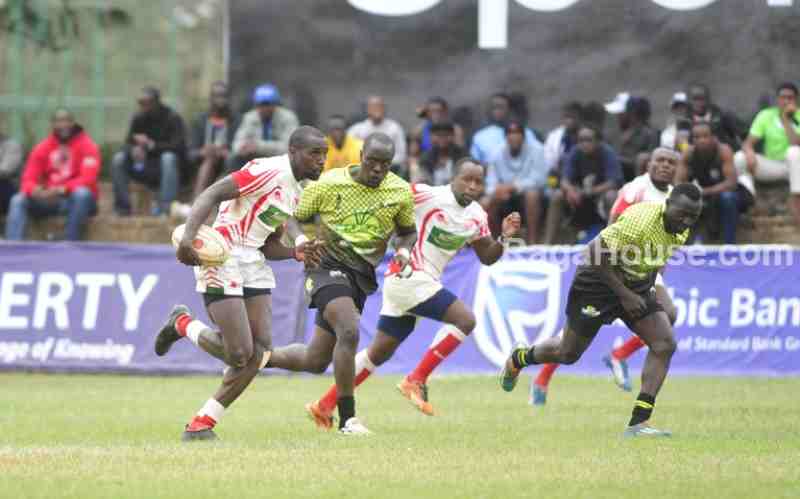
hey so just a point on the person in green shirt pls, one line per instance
(617, 281)
(778, 129)
(354, 211)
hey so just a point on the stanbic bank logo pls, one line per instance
(493, 14)
(516, 301)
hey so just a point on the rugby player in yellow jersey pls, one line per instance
(616, 281)
(358, 209)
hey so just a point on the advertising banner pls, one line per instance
(97, 307)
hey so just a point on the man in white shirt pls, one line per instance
(378, 122)
(254, 203)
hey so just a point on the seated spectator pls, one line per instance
(60, 178)
(436, 165)
(378, 122)
(436, 110)
(212, 137)
(709, 163)
(637, 137)
(676, 134)
(343, 148)
(155, 147)
(489, 139)
(10, 164)
(728, 128)
(413, 157)
(777, 128)
(516, 180)
(592, 174)
(265, 130)
(561, 140)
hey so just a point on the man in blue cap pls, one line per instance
(265, 130)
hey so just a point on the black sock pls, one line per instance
(347, 409)
(642, 409)
(522, 358)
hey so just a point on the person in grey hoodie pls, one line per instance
(516, 180)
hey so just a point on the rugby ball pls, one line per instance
(210, 246)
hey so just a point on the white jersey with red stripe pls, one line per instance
(637, 190)
(443, 227)
(268, 196)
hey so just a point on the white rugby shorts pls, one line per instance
(402, 294)
(244, 268)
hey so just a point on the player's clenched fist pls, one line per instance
(511, 224)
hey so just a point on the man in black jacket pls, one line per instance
(727, 127)
(153, 152)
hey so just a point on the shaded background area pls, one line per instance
(326, 56)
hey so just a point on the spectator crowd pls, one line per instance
(568, 177)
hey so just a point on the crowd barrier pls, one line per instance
(88, 307)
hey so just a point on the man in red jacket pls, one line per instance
(60, 178)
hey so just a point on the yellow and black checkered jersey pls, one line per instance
(357, 221)
(640, 241)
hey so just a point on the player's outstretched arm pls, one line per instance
(221, 190)
(489, 250)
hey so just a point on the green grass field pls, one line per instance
(118, 437)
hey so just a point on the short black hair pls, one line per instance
(152, 92)
(439, 100)
(463, 161)
(787, 85)
(639, 107)
(378, 137)
(595, 113)
(572, 107)
(337, 117)
(219, 84)
(302, 136)
(687, 189)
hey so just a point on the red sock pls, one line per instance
(364, 367)
(628, 348)
(181, 322)
(545, 373)
(436, 354)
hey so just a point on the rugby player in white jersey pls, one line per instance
(653, 185)
(254, 204)
(448, 218)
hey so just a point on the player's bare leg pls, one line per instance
(617, 359)
(243, 358)
(656, 332)
(460, 323)
(566, 348)
(342, 314)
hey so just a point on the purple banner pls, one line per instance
(738, 311)
(97, 307)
